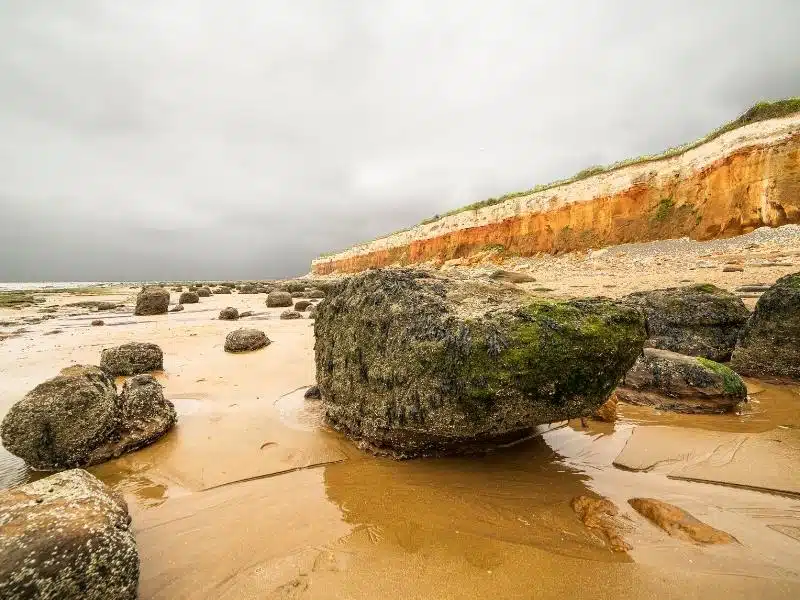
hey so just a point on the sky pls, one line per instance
(202, 139)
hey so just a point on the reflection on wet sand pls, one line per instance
(252, 497)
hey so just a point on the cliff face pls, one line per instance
(744, 179)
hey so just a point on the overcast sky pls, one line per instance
(172, 139)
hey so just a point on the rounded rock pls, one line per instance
(229, 314)
(279, 299)
(152, 301)
(189, 298)
(246, 340)
(132, 359)
(291, 314)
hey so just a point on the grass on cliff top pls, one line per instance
(761, 111)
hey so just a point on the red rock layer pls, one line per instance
(749, 188)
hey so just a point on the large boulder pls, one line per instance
(189, 298)
(152, 300)
(412, 364)
(60, 422)
(66, 537)
(246, 340)
(204, 292)
(770, 343)
(132, 359)
(671, 381)
(697, 320)
(279, 299)
(77, 419)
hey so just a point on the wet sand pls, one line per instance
(251, 496)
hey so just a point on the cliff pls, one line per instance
(740, 180)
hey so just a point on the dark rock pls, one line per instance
(189, 298)
(770, 343)
(511, 277)
(229, 314)
(313, 293)
(247, 313)
(756, 287)
(313, 393)
(61, 421)
(698, 320)
(301, 305)
(291, 314)
(412, 363)
(152, 301)
(249, 288)
(279, 299)
(312, 314)
(66, 537)
(176, 308)
(732, 269)
(95, 304)
(98, 322)
(204, 292)
(132, 358)
(222, 290)
(246, 340)
(671, 381)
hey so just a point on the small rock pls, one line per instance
(313, 393)
(279, 299)
(679, 523)
(203, 292)
(132, 359)
(301, 305)
(66, 537)
(247, 313)
(221, 290)
(152, 301)
(732, 269)
(511, 277)
(601, 515)
(98, 322)
(246, 340)
(229, 314)
(291, 314)
(189, 298)
(607, 411)
(672, 381)
(176, 308)
(313, 293)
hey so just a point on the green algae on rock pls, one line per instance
(770, 343)
(66, 536)
(697, 320)
(414, 364)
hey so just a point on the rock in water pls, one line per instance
(698, 320)
(414, 364)
(229, 314)
(59, 422)
(279, 299)
(66, 537)
(607, 411)
(689, 384)
(132, 359)
(77, 419)
(189, 298)
(770, 343)
(152, 301)
(291, 314)
(245, 340)
(678, 523)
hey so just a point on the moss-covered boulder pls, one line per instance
(279, 299)
(770, 343)
(189, 298)
(229, 314)
(152, 300)
(66, 537)
(132, 358)
(697, 320)
(413, 364)
(204, 292)
(676, 382)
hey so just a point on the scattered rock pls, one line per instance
(132, 358)
(312, 314)
(176, 308)
(189, 298)
(313, 393)
(54, 332)
(414, 363)
(732, 269)
(279, 299)
(313, 293)
(671, 381)
(607, 411)
(203, 292)
(247, 313)
(95, 304)
(511, 277)
(98, 322)
(222, 290)
(601, 515)
(178, 288)
(66, 537)
(146, 416)
(291, 314)
(756, 287)
(248, 288)
(229, 314)
(301, 305)
(152, 301)
(698, 320)
(770, 343)
(246, 340)
(679, 523)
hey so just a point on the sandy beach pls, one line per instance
(252, 496)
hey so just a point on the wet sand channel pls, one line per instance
(251, 496)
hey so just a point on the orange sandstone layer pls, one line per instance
(749, 178)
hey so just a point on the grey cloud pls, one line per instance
(196, 138)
